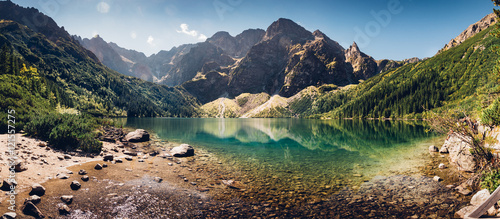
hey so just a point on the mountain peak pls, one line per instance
(220, 34)
(354, 46)
(287, 27)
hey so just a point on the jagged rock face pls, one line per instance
(208, 88)
(162, 62)
(284, 59)
(132, 55)
(363, 66)
(472, 30)
(237, 46)
(247, 39)
(133, 63)
(316, 63)
(106, 54)
(193, 62)
(261, 70)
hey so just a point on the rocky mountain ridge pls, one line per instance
(472, 30)
(283, 59)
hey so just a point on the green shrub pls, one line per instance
(66, 131)
(490, 180)
(491, 115)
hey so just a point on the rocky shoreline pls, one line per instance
(146, 180)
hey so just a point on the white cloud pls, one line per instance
(193, 33)
(103, 7)
(151, 40)
(202, 37)
(133, 35)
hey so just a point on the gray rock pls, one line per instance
(63, 209)
(463, 190)
(20, 166)
(35, 199)
(183, 150)
(433, 148)
(62, 176)
(75, 185)
(67, 156)
(140, 160)
(437, 178)
(6, 185)
(30, 209)
(9, 215)
(118, 160)
(85, 178)
(480, 197)
(139, 135)
(442, 166)
(98, 167)
(104, 165)
(60, 157)
(130, 153)
(108, 157)
(129, 158)
(68, 199)
(82, 172)
(464, 211)
(460, 155)
(158, 179)
(37, 189)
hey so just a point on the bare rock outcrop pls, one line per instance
(139, 135)
(459, 153)
(472, 30)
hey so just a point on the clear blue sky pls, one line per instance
(416, 28)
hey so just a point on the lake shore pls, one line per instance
(199, 187)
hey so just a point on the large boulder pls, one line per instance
(37, 189)
(20, 166)
(63, 209)
(459, 153)
(183, 150)
(7, 185)
(75, 185)
(98, 167)
(139, 135)
(35, 199)
(30, 209)
(480, 197)
(67, 199)
(108, 157)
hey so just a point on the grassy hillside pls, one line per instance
(462, 78)
(62, 73)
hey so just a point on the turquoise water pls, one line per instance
(301, 153)
(324, 146)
